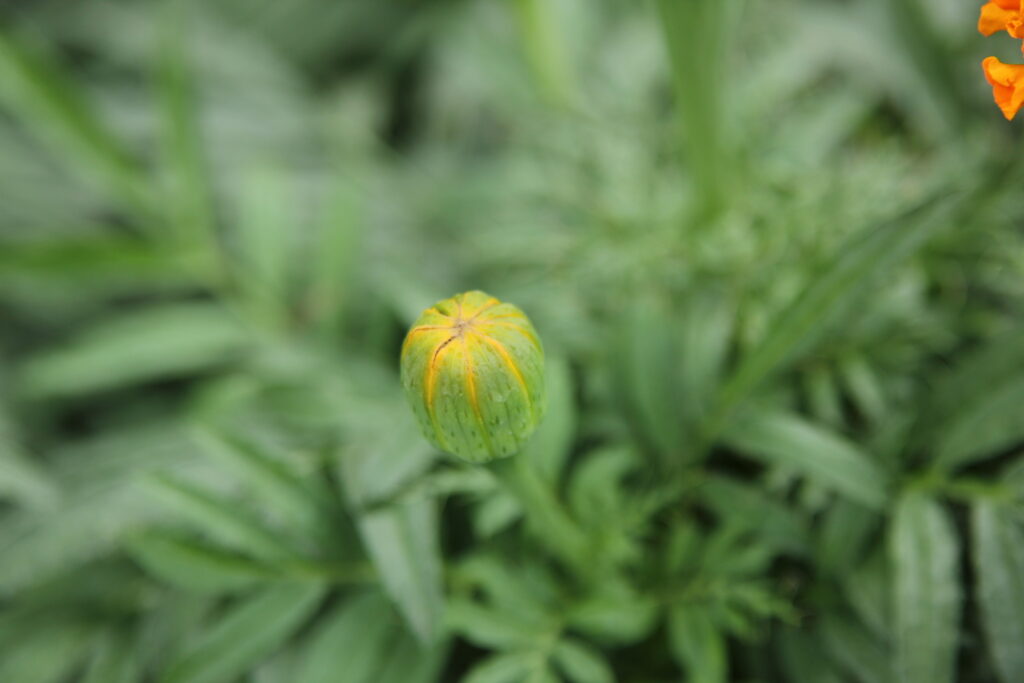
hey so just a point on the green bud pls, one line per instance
(473, 371)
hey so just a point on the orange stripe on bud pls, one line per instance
(507, 357)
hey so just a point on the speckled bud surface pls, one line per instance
(473, 371)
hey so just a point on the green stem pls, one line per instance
(543, 510)
(697, 35)
(544, 50)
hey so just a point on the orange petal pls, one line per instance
(1015, 26)
(995, 18)
(1007, 4)
(1007, 81)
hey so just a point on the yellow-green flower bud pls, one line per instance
(473, 371)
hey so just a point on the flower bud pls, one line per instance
(473, 371)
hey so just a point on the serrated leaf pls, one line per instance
(696, 644)
(998, 556)
(193, 566)
(247, 633)
(924, 553)
(580, 663)
(402, 540)
(825, 457)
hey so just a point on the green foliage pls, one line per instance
(772, 248)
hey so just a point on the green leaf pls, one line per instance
(54, 109)
(998, 556)
(266, 198)
(351, 643)
(646, 360)
(279, 487)
(334, 260)
(863, 386)
(580, 663)
(853, 647)
(115, 660)
(735, 503)
(507, 668)
(193, 566)
(616, 614)
(845, 531)
(698, 37)
(491, 627)
(247, 633)
(825, 457)
(188, 192)
(161, 341)
(385, 450)
(924, 553)
(409, 662)
(221, 518)
(859, 262)
(982, 428)
(550, 445)
(697, 645)
(802, 658)
(103, 496)
(20, 478)
(402, 540)
(45, 653)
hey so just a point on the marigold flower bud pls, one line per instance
(473, 370)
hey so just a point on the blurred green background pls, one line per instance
(774, 249)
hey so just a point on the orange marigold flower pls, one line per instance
(1007, 81)
(1002, 15)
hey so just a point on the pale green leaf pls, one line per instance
(818, 453)
(402, 540)
(115, 660)
(998, 556)
(351, 642)
(697, 644)
(924, 553)
(246, 634)
(580, 663)
(221, 518)
(858, 263)
(160, 341)
(193, 566)
(506, 668)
